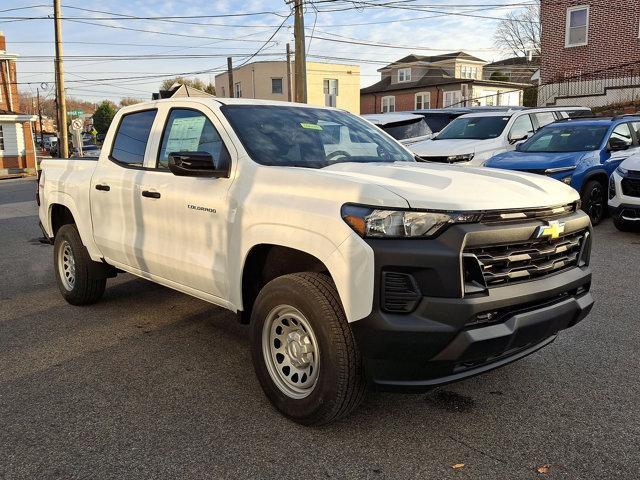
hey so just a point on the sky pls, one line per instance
(99, 44)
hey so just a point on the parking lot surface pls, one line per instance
(151, 383)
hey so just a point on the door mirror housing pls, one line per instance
(194, 164)
(521, 138)
(518, 146)
(617, 144)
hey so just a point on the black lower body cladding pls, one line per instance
(447, 334)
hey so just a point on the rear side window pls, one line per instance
(544, 118)
(132, 137)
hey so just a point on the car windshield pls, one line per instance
(309, 137)
(565, 138)
(413, 128)
(437, 122)
(476, 128)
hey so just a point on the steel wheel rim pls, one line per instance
(67, 266)
(290, 350)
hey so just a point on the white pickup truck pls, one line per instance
(354, 267)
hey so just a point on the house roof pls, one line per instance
(434, 58)
(516, 62)
(432, 77)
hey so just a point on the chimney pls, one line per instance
(3, 42)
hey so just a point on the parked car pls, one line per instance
(351, 269)
(581, 152)
(438, 118)
(624, 194)
(473, 138)
(407, 128)
(89, 149)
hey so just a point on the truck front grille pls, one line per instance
(631, 187)
(502, 264)
(436, 159)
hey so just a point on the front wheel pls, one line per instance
(304, 352)
(625, 226)
(594, 201)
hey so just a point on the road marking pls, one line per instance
(18, 209)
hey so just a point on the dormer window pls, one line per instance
(404, 75)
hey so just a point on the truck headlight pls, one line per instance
(381, 223)
(460, 158)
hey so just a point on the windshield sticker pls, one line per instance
(311, 126)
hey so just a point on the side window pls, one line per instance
(521, 127)
(636, 128)
(132, 137)
(191, 131)
(544, 118)
(622, 132)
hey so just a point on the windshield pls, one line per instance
(437, 122)
(309, 137)
(565, 138)
(407, 129)
(476, 128)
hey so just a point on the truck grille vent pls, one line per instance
(436, 159)
(504, 264)
(631, 187)
(400, 292)
(498, 216)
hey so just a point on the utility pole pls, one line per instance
(300, 55)
(288, 72)
(230, 75)
(63, 143)
(40, 119)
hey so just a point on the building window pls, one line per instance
(404, 75)
(330, 88)
(237, 90)
(1, 139)
(423, 100)
(276, 86)
(452, 99)
(577, 28)
(388, 104)
(468, 72)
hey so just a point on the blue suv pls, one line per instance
(581, 152)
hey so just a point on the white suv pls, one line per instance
(474, 138)
(624, 194)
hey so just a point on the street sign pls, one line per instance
(77, 124)
(75, 113)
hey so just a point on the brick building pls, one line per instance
(17, 148)
(453, 79)
(590, 52)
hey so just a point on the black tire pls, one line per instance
(87, 287)
(339, 385)
(594, 201)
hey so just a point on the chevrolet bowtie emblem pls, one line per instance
(553, 230)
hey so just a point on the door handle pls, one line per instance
(104, 188)
(149, 194)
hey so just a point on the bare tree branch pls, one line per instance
(519, 32)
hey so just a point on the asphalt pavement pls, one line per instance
(151, 383)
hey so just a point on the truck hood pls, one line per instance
(535, 161)
(453, 187)
(439, 148)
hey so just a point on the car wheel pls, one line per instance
(304, 352)
(625, 226)
(594, 201)
(75, 276)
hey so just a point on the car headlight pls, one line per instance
(460, 158)
(622, 171)
(371, 222)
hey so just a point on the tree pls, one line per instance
(103, 115)
(519, 32)
(126, 101)
(210, 88)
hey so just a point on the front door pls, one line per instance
(621, 132)
(187, 216)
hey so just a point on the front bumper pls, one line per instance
(626, 212)
(441, 341)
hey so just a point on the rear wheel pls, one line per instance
(594, 201)
(77, 280)
(304, 352)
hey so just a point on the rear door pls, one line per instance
(116, 206)
(186, 217)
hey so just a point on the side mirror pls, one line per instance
(616, 144)
(518, 146)
(513, 140)
(194, 164)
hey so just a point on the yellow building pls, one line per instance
(328, 84)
